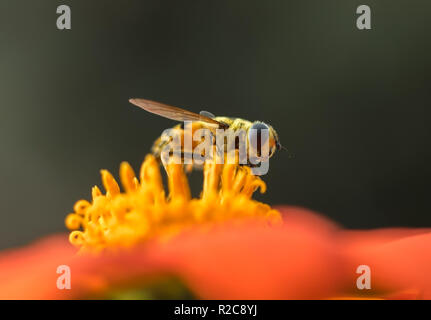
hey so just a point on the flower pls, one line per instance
(143, 211)
(305, 257)
(223, 245)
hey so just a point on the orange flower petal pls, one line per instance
(305, 257)
(399, 259)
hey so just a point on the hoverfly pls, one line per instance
(206, 120)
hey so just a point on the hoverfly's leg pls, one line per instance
(165, 166)
(157, 148)
(160, 144)
(188, 165)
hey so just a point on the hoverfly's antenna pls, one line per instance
(280, 147)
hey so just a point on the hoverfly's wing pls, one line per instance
(207, 114)
(174, 113)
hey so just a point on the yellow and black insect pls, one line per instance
(205, 120)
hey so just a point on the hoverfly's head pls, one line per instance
(259, 140)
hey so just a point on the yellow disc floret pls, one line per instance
(143, 211)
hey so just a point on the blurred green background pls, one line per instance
(352, 107)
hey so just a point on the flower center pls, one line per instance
(143, 211)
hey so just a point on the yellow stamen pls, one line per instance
(143, 211)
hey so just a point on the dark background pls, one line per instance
(351, 106)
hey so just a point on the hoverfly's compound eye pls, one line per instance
(255, 136)
(259, 126)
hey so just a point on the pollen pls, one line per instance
(142, 210)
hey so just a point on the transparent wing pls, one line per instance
(207, 114)
(173, 113)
